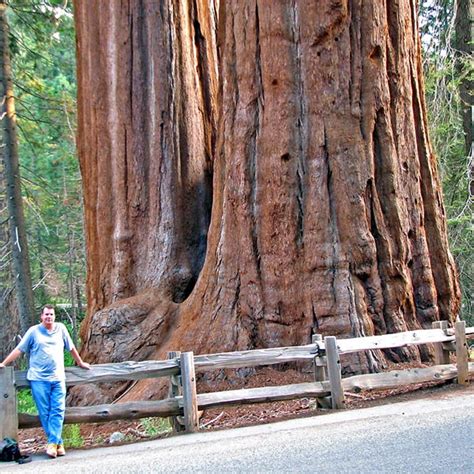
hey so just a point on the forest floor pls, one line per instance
(121, 432)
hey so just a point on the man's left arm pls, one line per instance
(79, 360)
(69, 345)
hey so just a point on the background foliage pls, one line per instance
(445, 69)
(43, 59)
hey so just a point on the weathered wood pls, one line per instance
(279, 355)
(469, 332)
(113, 372)
(334, 372)
(387, 341)
(378, 381)
(320, 371)
(169, 407)
(462, 356)
(188, 380)
(104, 413)
(319, 368)
(8, 412)
(263, 394)
(322, 362)
(175, 380)
(162, 368)
(175, 390)
(256, 357)
(449, 346)
(400, 378)
(441, 354)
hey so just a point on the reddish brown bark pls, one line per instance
(147, 83)
(326, 207)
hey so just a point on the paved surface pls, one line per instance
(422, 436)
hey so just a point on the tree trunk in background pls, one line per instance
(10, 332)
(327, 213)
(9, 154)
(9, 321)
(463, 44)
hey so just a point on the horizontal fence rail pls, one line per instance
(114, 372)
(390, 341)
(110, 412)
(184, 402)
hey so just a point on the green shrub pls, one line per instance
(72, 436)
(25, 402)
(155, 426)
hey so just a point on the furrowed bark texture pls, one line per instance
(327, 214)
(9, 319)
(147, 86)
(325, 181)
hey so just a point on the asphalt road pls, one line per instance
(422, 436)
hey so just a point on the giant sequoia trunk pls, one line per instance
(147, 89)
(311, 144)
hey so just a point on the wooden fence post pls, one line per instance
(319, 367)
(175, 389)
(461, 353)
(441, 354)
(188, 377)
(8, 412)
(320, 372)
(334, 371)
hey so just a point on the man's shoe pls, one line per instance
(51, 450)
(60, 450)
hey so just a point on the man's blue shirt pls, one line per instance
(46, 350)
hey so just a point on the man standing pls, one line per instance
(45, 344)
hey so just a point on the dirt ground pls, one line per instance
(99, 434)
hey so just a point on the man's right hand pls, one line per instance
(14, 354)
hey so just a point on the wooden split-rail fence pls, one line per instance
(184, 404)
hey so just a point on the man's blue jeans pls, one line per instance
(50, 399)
